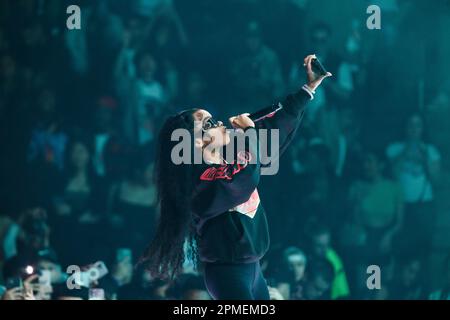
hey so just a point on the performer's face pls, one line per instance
(214, 132)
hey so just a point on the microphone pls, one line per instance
(318, 68)
(265, 113)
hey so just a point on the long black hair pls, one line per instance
(165, 255)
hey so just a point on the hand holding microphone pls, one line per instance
(242, 121)
(315, 72)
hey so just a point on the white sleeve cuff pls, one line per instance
(309, 91)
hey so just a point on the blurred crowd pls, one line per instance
(359, 186)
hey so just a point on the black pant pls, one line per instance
(236, 281)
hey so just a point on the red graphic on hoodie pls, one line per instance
(226, 172)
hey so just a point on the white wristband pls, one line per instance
(309, 91)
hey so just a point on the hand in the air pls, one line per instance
(314, 80)
(242, 121)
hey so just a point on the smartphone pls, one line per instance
(101, 268)
(28, 271)
(96, 294)
(45, 277)
(15, 282)
(318, 68)
(95, 272)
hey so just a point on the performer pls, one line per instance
(215, 205)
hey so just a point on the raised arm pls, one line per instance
(288, 119)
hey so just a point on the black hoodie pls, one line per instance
(230, 221)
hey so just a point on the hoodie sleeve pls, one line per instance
(288, 119)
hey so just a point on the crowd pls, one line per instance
(80, 110)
